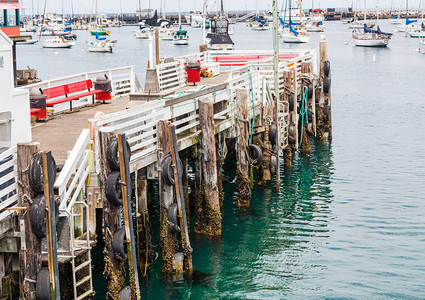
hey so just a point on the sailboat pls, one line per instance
(99, 26)
(410, 24)
(101, 44)
(370, 37)
(181, 37)
(294, 32)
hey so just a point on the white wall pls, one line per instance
(15, 100)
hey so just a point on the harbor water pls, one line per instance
(347, 221)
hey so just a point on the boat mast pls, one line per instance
(180, 18)
(204, 31)
(222, 9)
(364, 11)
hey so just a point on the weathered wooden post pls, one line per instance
(114, 268)
(52, 249)
(244, 190)
(124, 160)
(198, 198)
(326, 79)
(144, 234)
(268, 115)
(30, 255)
(184, 232)
(209, 168)
(168, 241)
(305, 138)
(287, 152)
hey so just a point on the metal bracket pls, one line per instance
(22, 235)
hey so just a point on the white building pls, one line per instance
(15, 119)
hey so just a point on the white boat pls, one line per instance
(104, 46)
(167, 34)
(219, 38)
(142, 33)
(181, 37)
(27, 42)
(315, 27)
(408, 26)
(395, 21)
(290, 37)
(417, 34)
(258, 26)
(56, 42)
(371, 38)
(360, 25)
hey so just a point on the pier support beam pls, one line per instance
(168, 240)
(144, 229)
(287, 152)
(30, 257)
(244, 189)
(209, 169)
(114, 269)
(324, 124)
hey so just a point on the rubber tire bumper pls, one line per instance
(118, 244)
(327, 67)
(257, 158)
(35, 173)
(42, 287)
(112, 154)
(113, 190)
(326, 84)
(272, 133)
(273, 164)
(38, 216)
(168, 170)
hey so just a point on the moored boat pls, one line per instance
(56, 42)
(371, 38)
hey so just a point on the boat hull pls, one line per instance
(50, 44)
(180, 42)
(371, 42)
(220, 47)
(417, 34)
(292, 38)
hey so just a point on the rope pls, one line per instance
(304, 110)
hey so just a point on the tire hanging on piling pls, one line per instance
(112, 154)
(273, 164)
(35, 172)
(326, 84)
(42, 287)
(255, 155)
(113, 190)
(168, 169)
(272, 133)
(118, 244)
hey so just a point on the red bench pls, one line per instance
(61, 93)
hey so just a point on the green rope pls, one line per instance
(304, 110)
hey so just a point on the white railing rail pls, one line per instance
(73, 177)
(171, 76)
(8, 180)
(123, 80)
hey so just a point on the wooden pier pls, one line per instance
(167, 126)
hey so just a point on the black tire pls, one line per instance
(112, 154)
(326, 112)
(113, 191)
(38, 216)
(273, 164)
(255, 155)
(291, 134)
(42, 287)
(291, 102)
(125, 293)
(327, 68)
(272, 133)
(118, 244)
(310, 91)
(168, 170)
(310, 115)
(35, 172)
(172, 214)
(326, 84)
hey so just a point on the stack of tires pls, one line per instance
(38, 217)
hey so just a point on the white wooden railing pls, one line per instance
(8, 181)
(72, 180)
(171, 76)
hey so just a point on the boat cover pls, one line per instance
(293, 30)
(410, 21)
(220, 39)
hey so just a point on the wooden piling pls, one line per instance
(243, 187)
(268, 114)
(157, 47)
(144, 229)
(287, 152)
(198, 198)
(128, 215)
(168, 240)
(184, 232)
(209, 168)
(326, 97)
(305, 140)
(30, 254)
(114, 268)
